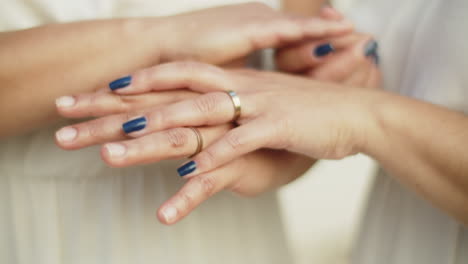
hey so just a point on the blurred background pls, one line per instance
(321, 210)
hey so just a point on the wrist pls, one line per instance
(372, 130)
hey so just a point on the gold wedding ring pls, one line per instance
(199, 141)
(236, 103)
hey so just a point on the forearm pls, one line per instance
(40, 64)
(303, 7)
(424, 146)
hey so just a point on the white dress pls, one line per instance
(424, 50)
(68, 207)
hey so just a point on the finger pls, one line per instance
(290, 30)
(196, 191)
(198, 77)
(237, 63)
(97, 131)
(311, 54)
(330, 13)
(303, 56)
(375, 78)
(235, 143)
(102, 104)
(360, 75)
(173, 143)
(205, 110)
(321, 28)
(209, 109)
(342, 64)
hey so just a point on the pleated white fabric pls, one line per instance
(68, 207)
(423, 45)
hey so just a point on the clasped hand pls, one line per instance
(287, 121)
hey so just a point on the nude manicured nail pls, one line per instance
(170, 214)
(66, 134)
(65, 101)
(115, 149)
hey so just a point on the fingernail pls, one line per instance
(134, 125)
(376, 58)
(169, 213)
(65, 101)
(115, 149)
(323, 50)
(187, 168)
(66, 134)
(371, 48)
(120, 83)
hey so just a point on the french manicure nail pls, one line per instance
(324, 50)
(134, 125)
(65, 101)
(66, 134)
(115, 149)
(187, 168)
(120, 83)
(169, 213)
(371, 48)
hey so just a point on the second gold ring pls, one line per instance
(199, 141)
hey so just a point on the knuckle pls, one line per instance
(207, 103)
(206, 184)
(206, 159)
(187, 201)
(233, 140)
(124, 102)
(94, 128)
(177, 137)
(188, 65)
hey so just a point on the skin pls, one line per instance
(341, 121)
(267, 170)
(40, 64)
(304, 7)
(56, 65)
(250, 174)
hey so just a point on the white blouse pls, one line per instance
(68, 207)
(424, 51)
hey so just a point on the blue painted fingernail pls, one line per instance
(376, 58)
(120, 83)
(136, 124)
(371, 48)
(324, 50)
(187, 168)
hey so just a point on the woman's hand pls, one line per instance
(222, 34)
(350, 59)
(278, 111)
(248, 175)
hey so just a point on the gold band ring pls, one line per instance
(236, 103)
(199, 142)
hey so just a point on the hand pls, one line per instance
(320, 120)
(350, 59)
(248, 175)
(222, 34)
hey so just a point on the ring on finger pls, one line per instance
(199, 141)
(236, 103)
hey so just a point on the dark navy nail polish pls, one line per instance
(376, 58)
(324, 50)
(187, 168)
(134, 125)
(371, 48)
(120, 83)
